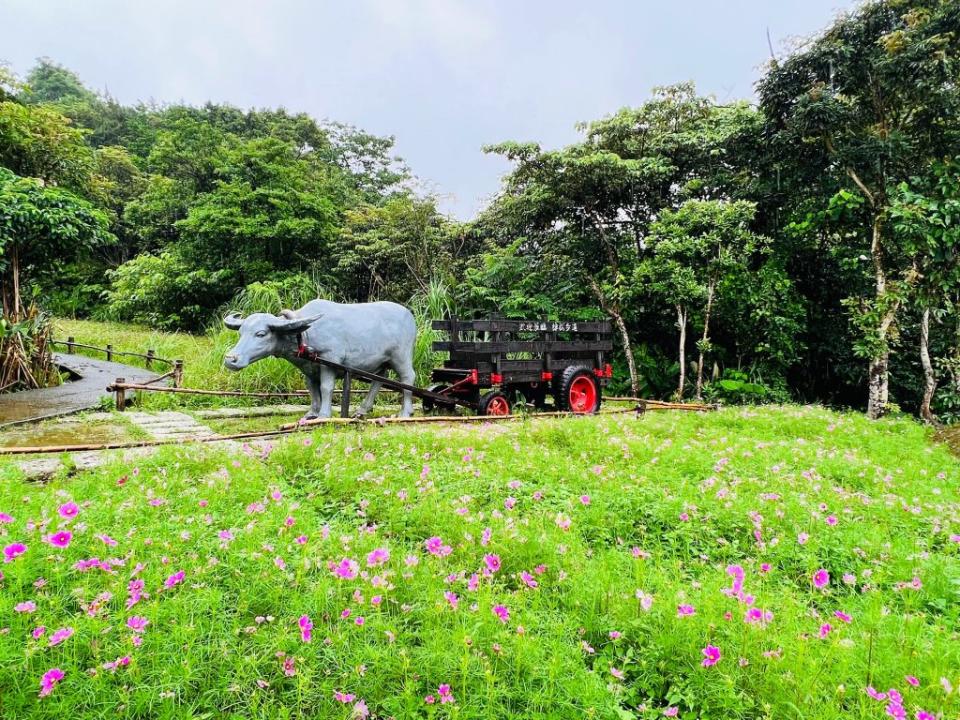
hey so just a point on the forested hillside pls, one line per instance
(802, 247)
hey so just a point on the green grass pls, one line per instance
(214, 642)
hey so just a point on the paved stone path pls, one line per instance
(70, 397)
(159, 426)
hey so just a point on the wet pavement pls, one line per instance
(80, 394)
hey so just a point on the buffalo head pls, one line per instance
(262, 335)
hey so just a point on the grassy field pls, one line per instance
(751, 563)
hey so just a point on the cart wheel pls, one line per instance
(428, 403)
(494, 403)
(579, 391)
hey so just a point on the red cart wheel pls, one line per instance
(494, 403)
(579, 391)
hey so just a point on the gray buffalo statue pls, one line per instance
(368, 336)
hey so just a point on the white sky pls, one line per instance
(445, 77)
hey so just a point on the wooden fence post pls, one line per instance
(70, 345)
(121, 393)
(177, 373)
(150, 355)
(109, 352)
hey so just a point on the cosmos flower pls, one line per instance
(451, 598)
(492, 562)
(306, 626)
(26, 607)
(711, 655)
(378, 557)
(685, 610)
(137, 623)
(59, 539)
(49, 681)
(346, 569)
(175, 579)
(501, 612)
(68, 510)
(436, 547)
(60, 635)
(821, 578)
(446, 695)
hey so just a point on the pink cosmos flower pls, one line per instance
(174, 579)
(825, 630)
(359, 620)
(617, 673)
(27, 607)
(685, 610)
(451, 598)
(501, 612)
(528, 580)
(137, 623)
(802, 538)
(842, 616)
(289, 667)
(821, 578)
(68, 510)
(60, 539)
(436, 547)
(874, 694)
(306, 626)
(912, 680)
(584, 499)
(615, 634)
(563, 522)
(60, 635)
(684, 517)
(38, 631)
(711, 655)
(492, 562)
(757, 616)
(429, 699)
(378, 557)
(4, 518)
(646, 601)
(49, 681)
(343, 697)
(446, 695)
(671, 712)
(923, 715)
(346, 569)
(360, 710)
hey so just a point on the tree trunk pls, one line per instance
(614, 312)
(704, 339)
(929, 378)
(682, 324)
(878, 373)
(628, 351)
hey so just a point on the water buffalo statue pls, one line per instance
(368, 336)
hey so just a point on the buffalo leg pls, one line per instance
(327, 378)
(313, 385)
(408, 377)
(368, 401)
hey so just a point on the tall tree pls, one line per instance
(862, 108)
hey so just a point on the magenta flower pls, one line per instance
(671, 712)
(923, 715)
(13, 550)
(617, 673)
(174, 579)
(27, 606)
(446, 695)
(711, 655)
(842, 616)
(825, 630)
(306, 626)
(378, 557)
(137, 623)
(912, 680)
(821, 578)
(49, 681)
(451, 598)
(501, 612)
(528, 580)
(60, 539)
(343, 697)
(492, 562)
(436, 547)
(60, 635)
(68, 510)
(685, 610)
(4, 518)
(584, 499)
(346, 569)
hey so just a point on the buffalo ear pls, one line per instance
(233, 321)
(293, 326)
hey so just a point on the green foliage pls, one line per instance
(166, 292)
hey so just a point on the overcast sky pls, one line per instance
(445, 77)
